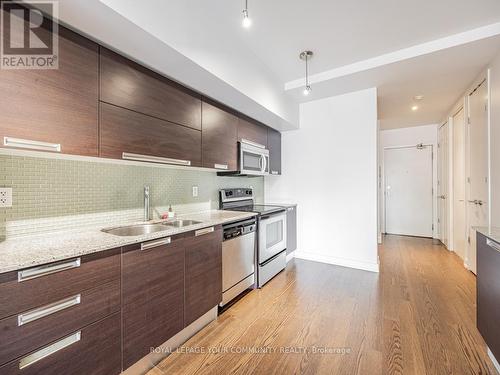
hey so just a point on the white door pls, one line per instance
(478, 168)
(443, 160)
(408, 191)
(459, 205)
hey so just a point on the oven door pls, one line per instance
(253, 158)
(272, 236)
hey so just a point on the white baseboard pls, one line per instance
(494, 360)
(290, 256)
(365, 266)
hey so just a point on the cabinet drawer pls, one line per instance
(33, 329)
(96, 350)
(49, 283)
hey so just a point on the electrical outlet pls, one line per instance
(195, 191)
(5, 197)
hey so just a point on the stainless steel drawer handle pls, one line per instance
(30, 144)
(203, 231)
(49, 350)
(274, 172)
(154, 159)
(221, 166)
(32, 273)
(46, 310)
(152, 244)
(493, 244)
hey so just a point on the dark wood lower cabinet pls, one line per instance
(95, 349)
(488, 292)
(77, 274)
(88, 306)
(127, 302)
(203, 273)
(152, 298)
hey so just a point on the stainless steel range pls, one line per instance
(271, 227)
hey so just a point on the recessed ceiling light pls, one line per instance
(414, 108)
(418, 97)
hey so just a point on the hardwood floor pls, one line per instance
(416, 317)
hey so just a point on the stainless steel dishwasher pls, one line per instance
(238, 258)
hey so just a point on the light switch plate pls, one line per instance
(5, 197)
(195, 191)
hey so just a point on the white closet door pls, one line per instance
(443, 175)
(459, 197)
(478, 213)
(408, 191)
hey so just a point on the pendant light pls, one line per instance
(247, 22)
(306, 55)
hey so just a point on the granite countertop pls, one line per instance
(18, 253)
(493, 232)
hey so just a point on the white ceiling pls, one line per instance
(258, 62)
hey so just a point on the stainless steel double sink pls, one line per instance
(146, 228)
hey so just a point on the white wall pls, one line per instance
(495, 141)
(426, 134)
(329, 169)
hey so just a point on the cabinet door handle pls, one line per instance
(290, 209)
(221, 166)
(203, 231)
(30, 144)
(49, 350)
(46, 310)
(32, 273)
(152, 244)
(274, 172)
(154, 159)
(493, 244)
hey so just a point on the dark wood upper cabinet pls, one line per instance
(56, 106)
(274, 146)
(203, 273)
(132, 86)
(123, 130)
(219, 138)
(152, 297)
(252, 132)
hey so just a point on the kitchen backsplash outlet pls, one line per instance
(54, 194)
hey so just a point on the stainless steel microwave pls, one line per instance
(253, 160)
